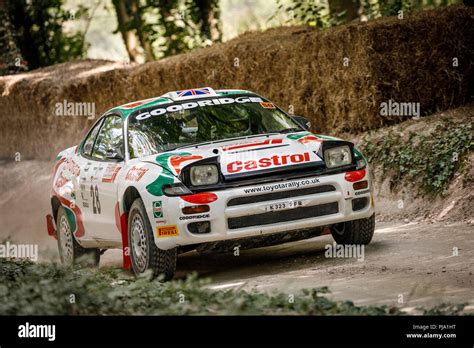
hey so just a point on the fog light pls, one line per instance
(360, 185)
(200, 198)
(196, 209)
(355, 176)
(360, 203)
(200, 227)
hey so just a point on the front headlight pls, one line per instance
(338, 156)
(204, 175)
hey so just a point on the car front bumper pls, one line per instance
(247, 211)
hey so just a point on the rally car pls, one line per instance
(205, 170)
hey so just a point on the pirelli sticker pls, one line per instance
(167, 231)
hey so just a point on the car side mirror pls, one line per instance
(303, 122)
(114, 154)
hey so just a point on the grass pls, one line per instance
(428, 161)
(27, 288)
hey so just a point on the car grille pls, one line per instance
(283, 215)
(280, 195)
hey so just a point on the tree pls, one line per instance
(160, 28)
(130, 39)
(11, 59)
(207, 14)
(35, 32)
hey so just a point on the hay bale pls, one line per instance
(301, 68)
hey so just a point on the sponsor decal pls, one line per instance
(362, 192)
(135, 174)
(167, 231)
(60, 161)
(309, 139)
(84, 196)
(72, 167)
(265, 162)
(192, 92)
(296, 136)
(253, 144)
(176, 161)
(196, 104)
(157, 209)
(111, 173)
(195, 217)
(137, 103)
(61, 181)
(283, 186)
(267, 105)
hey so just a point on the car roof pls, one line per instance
(189, 94)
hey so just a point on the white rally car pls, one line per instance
(206, 170)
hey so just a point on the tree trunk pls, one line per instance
(142, 34)
(130, 39)
(209, 16)
(350, 6)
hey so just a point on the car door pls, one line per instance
(86, 177)
(107, 161)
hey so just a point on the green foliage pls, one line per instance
(171, 27)
(40, 35)
(328, 13)
(309, 12)
(46, 289)
(431, 159)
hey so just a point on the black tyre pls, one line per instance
(70, 252)
(354, 232)
(144, 253)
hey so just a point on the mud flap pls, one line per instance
(50, 226)
(127, 264)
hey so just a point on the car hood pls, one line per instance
(247, 155)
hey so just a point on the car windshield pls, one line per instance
(169, 126)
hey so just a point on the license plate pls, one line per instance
(283, 205)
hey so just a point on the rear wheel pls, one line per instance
(354, 232)
(144, 253)
(70, 252)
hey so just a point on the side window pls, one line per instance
(110, 138)
(89, 142)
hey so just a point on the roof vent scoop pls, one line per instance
(185, 94)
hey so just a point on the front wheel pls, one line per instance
(70, 252)
(354, 232)
(144, 253)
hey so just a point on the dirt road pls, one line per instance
(413, 263)
(413, 260)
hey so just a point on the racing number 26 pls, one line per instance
(95, 199)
